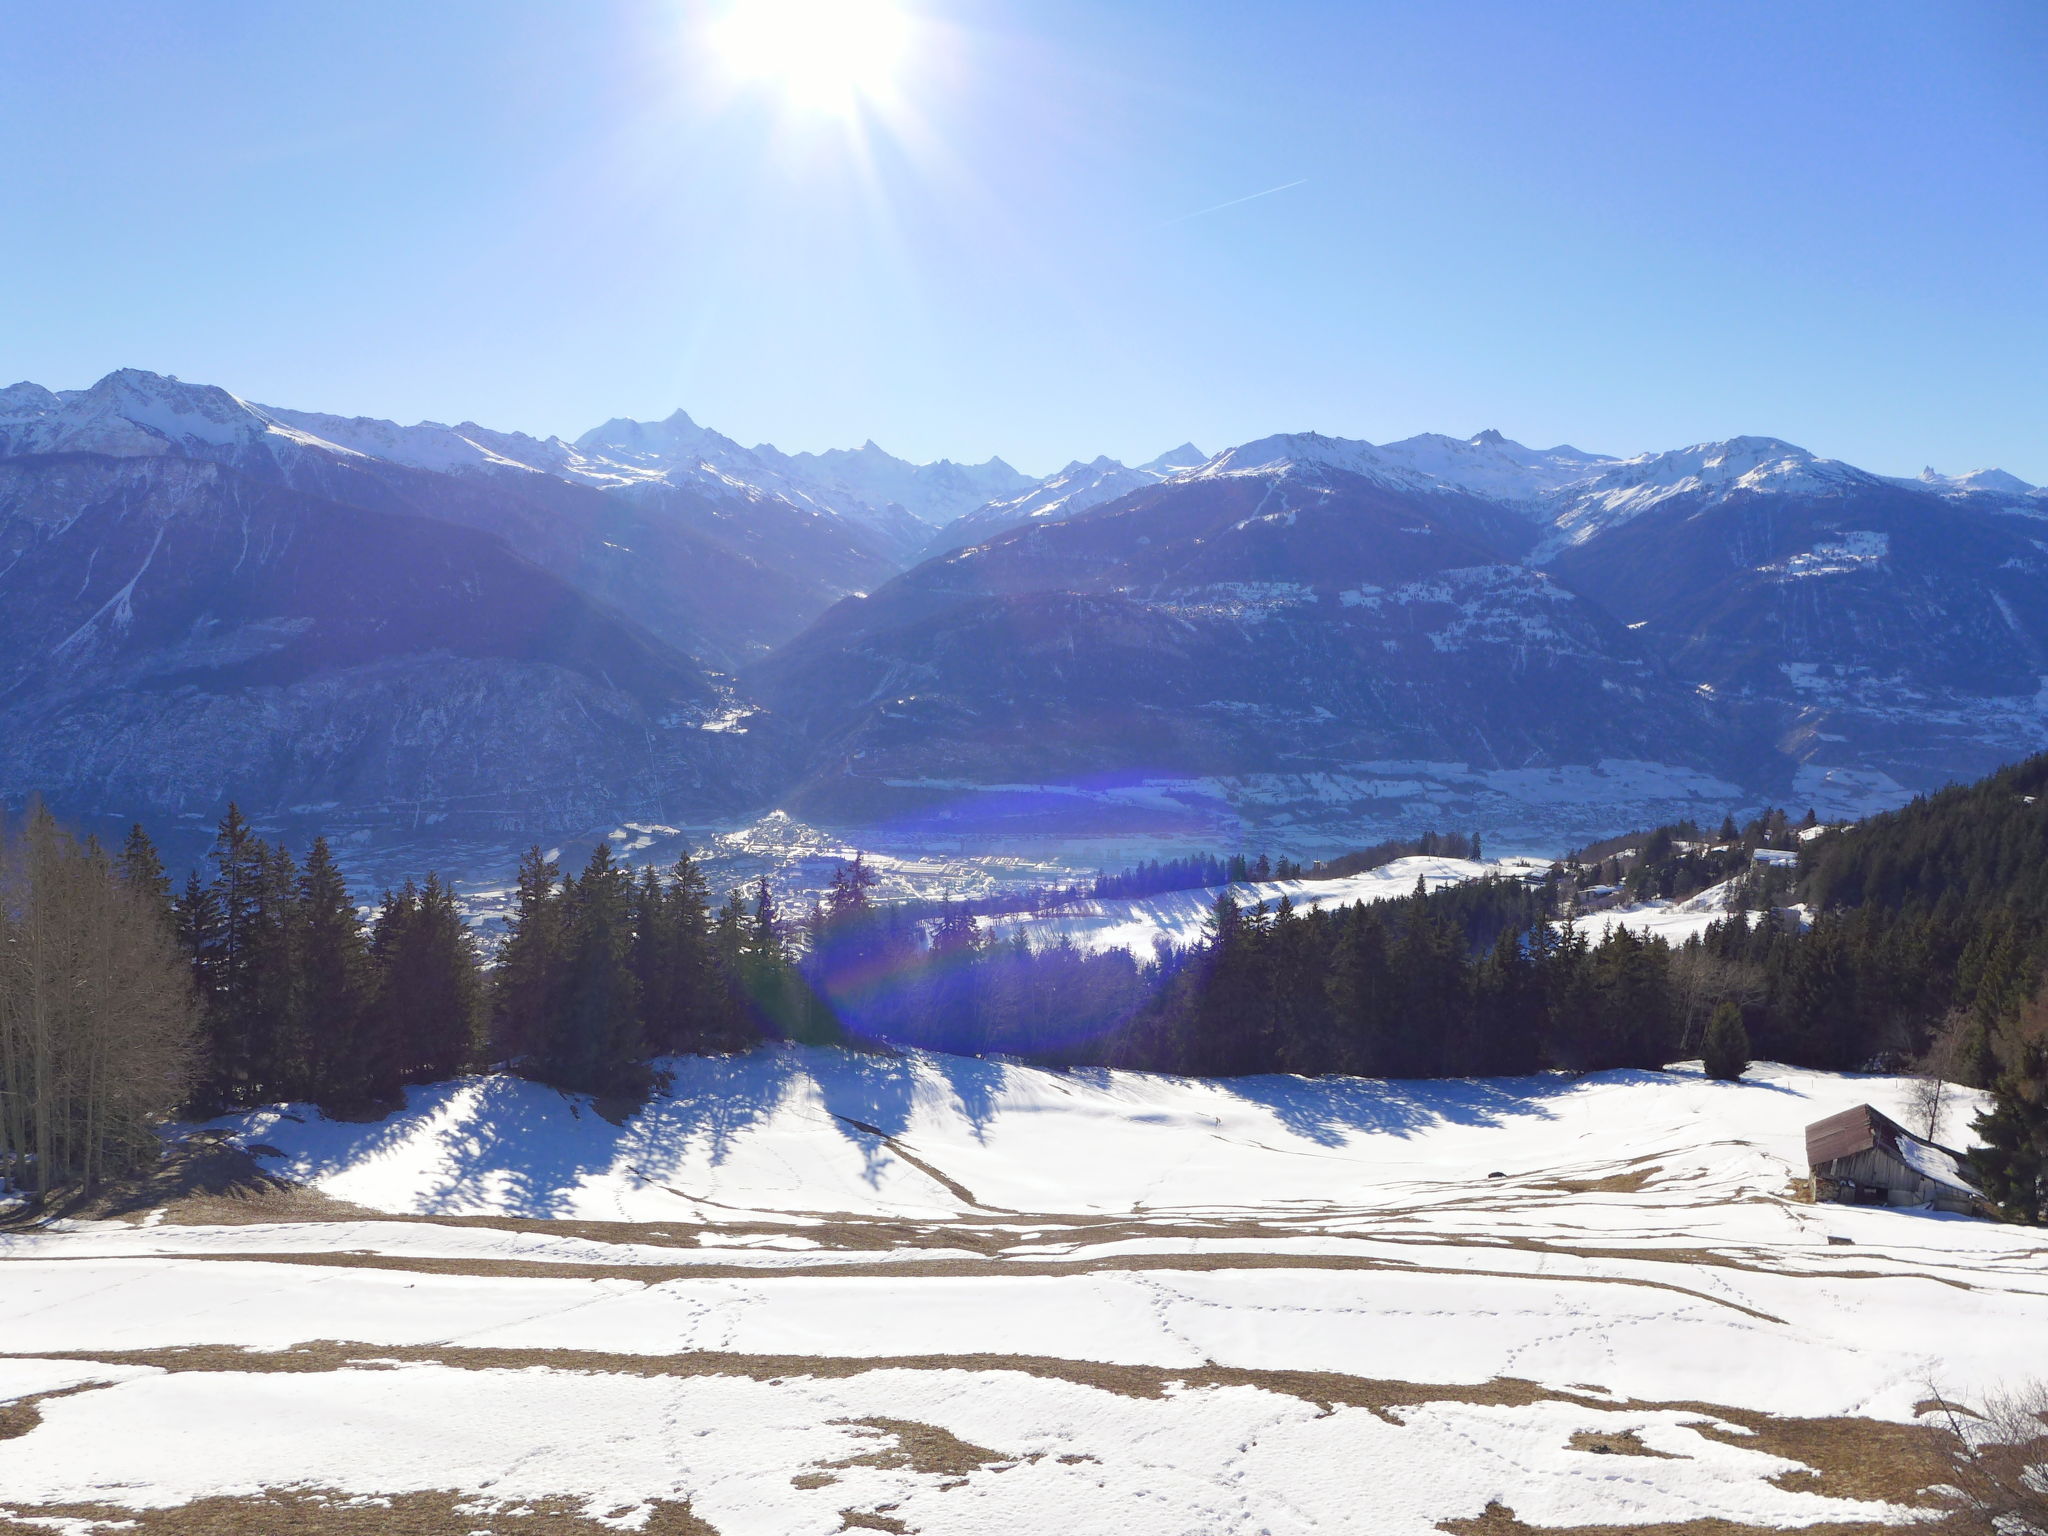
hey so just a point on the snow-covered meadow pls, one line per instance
(1180, 918)
(810, 1291)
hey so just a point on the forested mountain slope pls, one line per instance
(170, 626)
(1222, 625)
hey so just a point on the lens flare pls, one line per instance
(821, 55)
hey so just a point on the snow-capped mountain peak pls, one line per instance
(674, 440)
(1186, 456)
(1995, 482)
(132, 413)
(430, 444)
(1711, 471)
(1079, 487)
(1311, 453)
(1491, 465)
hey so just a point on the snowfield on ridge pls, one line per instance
(810, 1289)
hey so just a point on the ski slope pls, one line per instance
(812, 1290)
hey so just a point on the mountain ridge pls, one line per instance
(1282, 624)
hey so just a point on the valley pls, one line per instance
(1303, 641)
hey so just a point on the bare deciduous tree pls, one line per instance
(1927, 1102)
(2000, 1460)
(96, 1013)
(1701, 982)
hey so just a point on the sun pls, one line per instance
(824, 55)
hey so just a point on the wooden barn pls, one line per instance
(1861, 1157)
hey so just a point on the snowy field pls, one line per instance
(1178, 917)
(816, 1291)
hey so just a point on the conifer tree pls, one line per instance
(1361, 994)
(2012, 1164)
(728, 967)
(1508, 1008)
(531, 963)
(387, 1056)
(783, 1008)
(696, 1015)
(1726, 1047)
(596, 1045)
(196, 914)
(338, 985)
(225, 925)
(445, 984)
(654, 959)
(141, 867)
(278, 1047)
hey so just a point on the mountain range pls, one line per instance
(392, 630)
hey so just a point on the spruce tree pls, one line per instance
(224, 926)
(337, 992)
(1508, 1009)
(532, 961)
(1727, 1044)
(728, 970)
(1360, 988)
(279, 1050)
(654, 960)
(445, 985)
(596, 1043)
(782, 1007)
(2011, 1166)
(387, 1055)
(695, 1015)
(144, 872)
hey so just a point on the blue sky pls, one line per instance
(1626, 226)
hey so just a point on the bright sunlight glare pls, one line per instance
(824, 54)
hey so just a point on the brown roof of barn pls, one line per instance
(1852, 1131)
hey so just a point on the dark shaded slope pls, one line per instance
(1880, 625)
(722, 578)
(1250, 624)
(173, 633)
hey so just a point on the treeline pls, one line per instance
(298, 997)
(1431, 845)
(1157, 877)
(1199, 871)
(1923, 942)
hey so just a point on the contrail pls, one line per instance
(1248, 197)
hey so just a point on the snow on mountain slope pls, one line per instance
(1180, 918)
(1309, 452)
(1994, 482)
(1494, 466)
(933, 493)
(132, 412)
(432, 444)
(1584, 508)
(810, 1290)
(1176, 460)
(865, 484)
(1068, 493)
(1992, 487)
